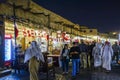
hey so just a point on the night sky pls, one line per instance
(105, 16)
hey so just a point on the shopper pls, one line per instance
(64, 57)
(75, 56)
(83, 49)
(116, 50)
(91, 59)
(97, 55)
(34, 56)
(107, 53)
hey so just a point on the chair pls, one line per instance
(47, 68)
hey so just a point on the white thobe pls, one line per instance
(31, 52)
(107, 53)
(97, 55)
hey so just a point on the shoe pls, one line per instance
(63, 73)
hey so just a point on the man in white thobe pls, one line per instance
(96, 53)
(107, 53)
(34, 56)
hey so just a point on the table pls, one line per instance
(55, 59)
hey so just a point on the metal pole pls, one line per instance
(14, 21)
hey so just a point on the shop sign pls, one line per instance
(8, 36)
(33, 33)
(67, 37)
(29, 33)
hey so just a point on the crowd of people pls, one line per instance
(93, 56)
(83, 55)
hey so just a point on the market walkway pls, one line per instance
(84, 75)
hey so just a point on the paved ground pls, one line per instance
(98, 75)
(84, 75)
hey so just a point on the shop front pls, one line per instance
(57, 41)
(25, 35)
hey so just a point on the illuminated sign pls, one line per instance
(8, 36)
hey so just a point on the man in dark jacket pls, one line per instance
(90, 59)
(74, 53)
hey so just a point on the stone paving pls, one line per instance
(84, 75)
